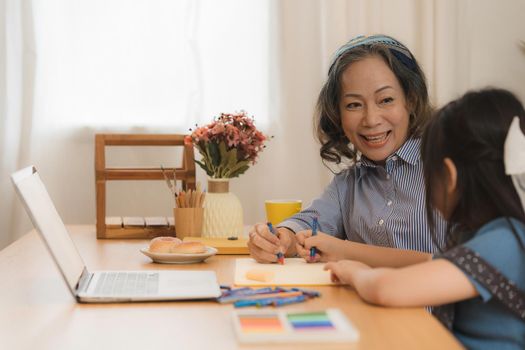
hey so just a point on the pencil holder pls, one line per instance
(188, 222)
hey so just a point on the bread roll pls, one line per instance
(189, 248)
(163, 244)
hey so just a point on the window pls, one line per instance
(155, 64)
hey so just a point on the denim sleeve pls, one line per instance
(328, 208)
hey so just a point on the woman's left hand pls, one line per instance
(345, 271)
(328, 248)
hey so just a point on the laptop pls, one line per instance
(103, 286)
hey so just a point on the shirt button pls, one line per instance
(394, 158)
(389, 203)
(388, 176)
(381, 222)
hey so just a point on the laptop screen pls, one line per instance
(48, 223)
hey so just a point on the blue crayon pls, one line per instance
(269, 301)
(314, 233)
(241, 293)
(291, 300)
(256, 302)
(308, 293)
(246, 303)
(280, 256)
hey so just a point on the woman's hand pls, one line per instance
(264, 246)
(345, 271)
(328, 248)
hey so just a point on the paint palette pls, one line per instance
(280, 326)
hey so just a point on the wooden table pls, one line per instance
(38, 312)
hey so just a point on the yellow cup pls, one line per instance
(277, 210)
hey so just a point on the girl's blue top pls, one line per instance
(483, 322)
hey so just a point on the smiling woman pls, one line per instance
(374, 112)
(379, 87)
(371, 109)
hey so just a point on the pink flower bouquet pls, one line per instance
(228, 145)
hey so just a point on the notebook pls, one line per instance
(289, 326)
(294, 272)
(103, 286)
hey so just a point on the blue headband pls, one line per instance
(397, 49)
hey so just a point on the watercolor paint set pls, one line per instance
(289, 326)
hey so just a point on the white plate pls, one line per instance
(176, 258)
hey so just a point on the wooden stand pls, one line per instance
(224, 246)
(186, 174)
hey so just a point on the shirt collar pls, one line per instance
(409, 152)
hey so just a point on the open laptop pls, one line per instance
(103, 286)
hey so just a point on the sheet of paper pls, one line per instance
(294, 272)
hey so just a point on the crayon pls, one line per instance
(314, 233)
(292, 300)
(308, 293)
(243, 293)
(275, 301)
(280, 255)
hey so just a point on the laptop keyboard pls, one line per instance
(127, 283)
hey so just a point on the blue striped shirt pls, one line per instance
(375, 204)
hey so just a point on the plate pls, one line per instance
(176, 258)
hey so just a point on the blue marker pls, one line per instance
(314, 233)
(280, 256)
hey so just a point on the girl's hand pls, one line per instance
(264, 245)
(328, 248)
(345, 271)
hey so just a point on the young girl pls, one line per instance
(371, 111)
(483, 269)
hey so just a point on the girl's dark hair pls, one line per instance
(334, 143)
(471, 131)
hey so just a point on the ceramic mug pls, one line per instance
(277, 210)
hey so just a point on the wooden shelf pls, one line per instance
(185, 173)
(137, 232)
(142, 173)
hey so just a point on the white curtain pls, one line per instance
(272, 62)
(17, 77)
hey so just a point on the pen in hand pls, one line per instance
(280, 255)
(314, 233)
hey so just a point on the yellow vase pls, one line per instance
(222, 211)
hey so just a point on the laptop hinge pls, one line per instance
(84, 280)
